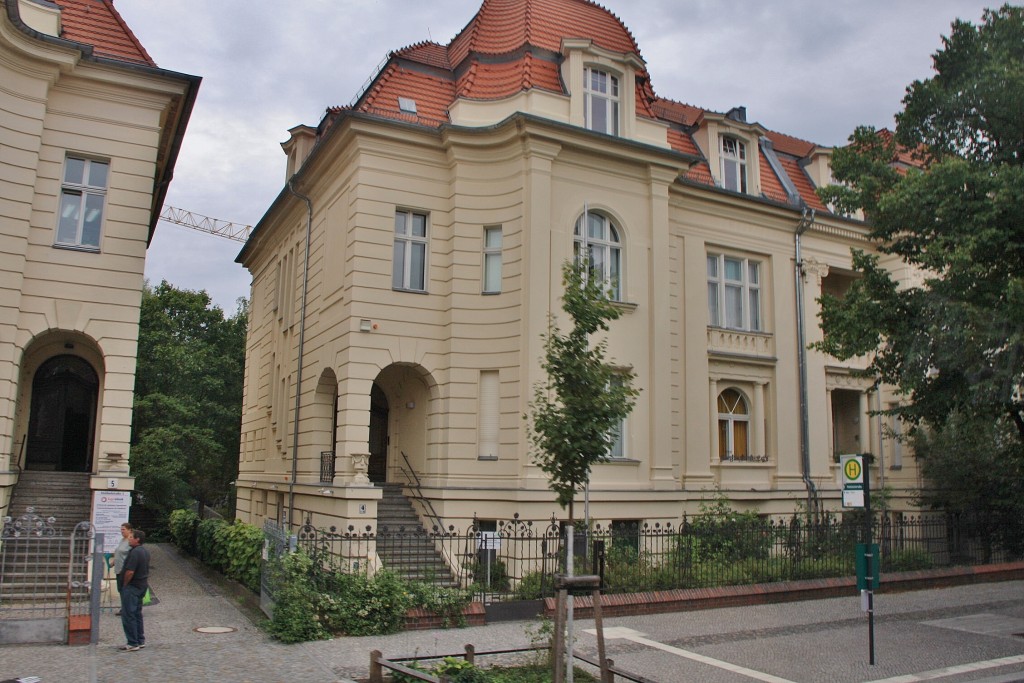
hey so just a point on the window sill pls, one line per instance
(409, 291)
(620, 461)
(487, 458)
(625, 306)
(743, 463)
(77, 247)
(495, 293)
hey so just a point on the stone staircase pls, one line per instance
(403, 545)
(34, 569)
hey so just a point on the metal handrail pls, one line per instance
(414, 485)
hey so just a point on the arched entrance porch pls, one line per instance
(399, 408)
(62, 416)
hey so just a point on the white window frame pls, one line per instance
(723, 289)
(407, 244)
(601, 101)
(81, 198)
(492, 259)
(733, 163)
(731, 418)
(604, 251)
(617, 436)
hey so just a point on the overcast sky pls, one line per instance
(814, 69)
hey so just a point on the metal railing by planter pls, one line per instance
(50, 581)
(518, 559)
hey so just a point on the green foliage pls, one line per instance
(182, 525)
(953, 341)
(296, 615)
(210, 543)
(532, 586)
(583, 399)
(724, 534)
(978, 469)
(908, 560)
(498, 580)
(243, 545)
(188, 398)
(446, 602)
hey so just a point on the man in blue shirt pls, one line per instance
(135, 582)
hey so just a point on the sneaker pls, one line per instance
(130, 648)
(142, 646)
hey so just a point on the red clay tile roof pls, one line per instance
(804, 186)
(431, 94)
(676, 112)
(503, 26)
(97, 23)
(492, 81)
(771, 186)
(514, 45)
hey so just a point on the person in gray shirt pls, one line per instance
(135, 582)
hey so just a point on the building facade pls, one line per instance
(405, 275)
(89, 137)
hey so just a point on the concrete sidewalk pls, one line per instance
(966, 633)
(190, 597)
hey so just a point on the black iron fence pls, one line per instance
(518, 559)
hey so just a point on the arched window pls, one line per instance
(733, 426)
(603, 248)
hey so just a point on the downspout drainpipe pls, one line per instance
(801, 342)
(302, 345)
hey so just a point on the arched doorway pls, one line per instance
(379, 412)
(62, 420)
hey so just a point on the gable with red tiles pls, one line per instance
(98, 24)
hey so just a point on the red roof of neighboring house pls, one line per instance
(97, 23)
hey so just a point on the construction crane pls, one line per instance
(213, 226)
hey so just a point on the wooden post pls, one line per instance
(376, 671)
(558, 642)
(470, 655)
(606, 674)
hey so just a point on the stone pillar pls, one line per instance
(713, 395)
(758, 418)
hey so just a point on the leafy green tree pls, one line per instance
(944, 195)
(952, 342)
(962, 458)
(188, 398)
(577, 408)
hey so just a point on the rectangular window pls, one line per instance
(492, 260)
(82, 196)
(618, 434)
(601, 104)
(734, 292)
(410, 255)
(488, 430)
(734, 165)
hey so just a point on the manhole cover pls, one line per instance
(214, 629)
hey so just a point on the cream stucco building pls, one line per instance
(89, 134)
(405, 274)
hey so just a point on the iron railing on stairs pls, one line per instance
(417, 494)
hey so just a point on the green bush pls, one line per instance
(296, 604)
(908, 560)
(182, 525)
(210, 543)
(448, 603)
(532, 586)
(243, 545)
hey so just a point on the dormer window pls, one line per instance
(601, 108)
(734, 164)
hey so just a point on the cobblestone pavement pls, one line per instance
(954, 635)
